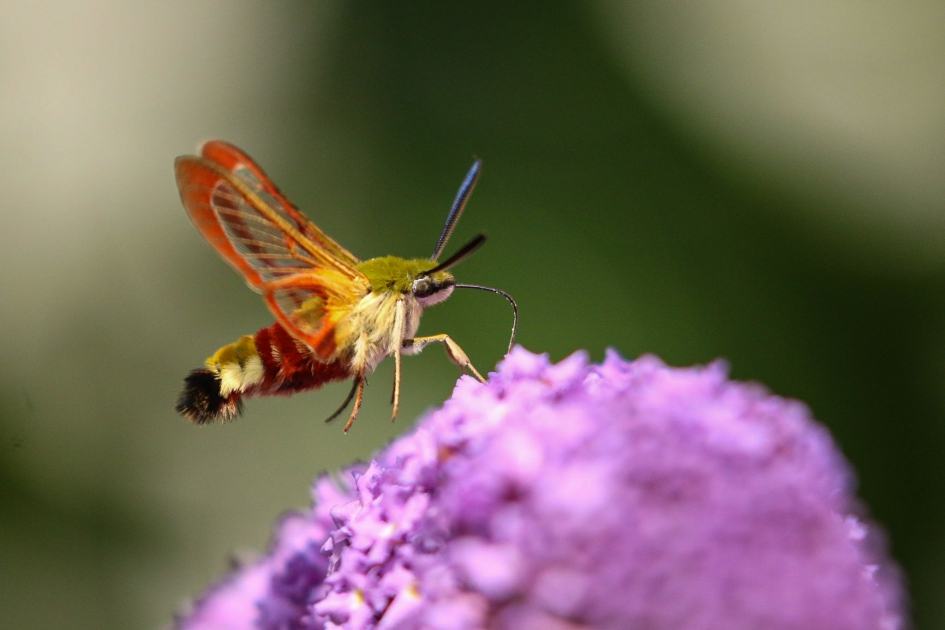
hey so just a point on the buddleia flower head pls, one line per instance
(573, 496)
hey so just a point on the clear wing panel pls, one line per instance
(266, 248)
(243, 168)
(306, 286)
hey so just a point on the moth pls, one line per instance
(336, 317)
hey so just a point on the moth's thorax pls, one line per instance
(380, 321)
(375, 328)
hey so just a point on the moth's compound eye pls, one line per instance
(423, 287)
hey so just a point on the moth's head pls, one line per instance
(432, 288)
(435, 283)
(424, 279)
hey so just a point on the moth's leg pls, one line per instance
(395, 398)
(453, 351)
(357, 402)
(399, 318)
(344, 405)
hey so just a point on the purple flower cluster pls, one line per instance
(572, 496)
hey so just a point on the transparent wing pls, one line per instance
(303, 280)
(233, 160)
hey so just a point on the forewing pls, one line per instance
(301, 279)
(233, 160)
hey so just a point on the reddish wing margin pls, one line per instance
(301, 271)
(242, 166)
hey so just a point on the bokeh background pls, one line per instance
(761, 182)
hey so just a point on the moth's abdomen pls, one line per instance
(201, 401)
(289, 365)
(270, 362)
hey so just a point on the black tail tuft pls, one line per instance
(201, 402)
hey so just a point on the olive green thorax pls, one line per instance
(391, 274)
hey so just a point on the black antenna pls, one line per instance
(464, 252)
(465, 189)
(507, 297)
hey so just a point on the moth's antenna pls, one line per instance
(464, 252)
(507, 297)
(465, 189)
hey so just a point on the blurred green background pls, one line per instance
(695, 180)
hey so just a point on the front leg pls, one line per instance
(453, 351)
(399, 334)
